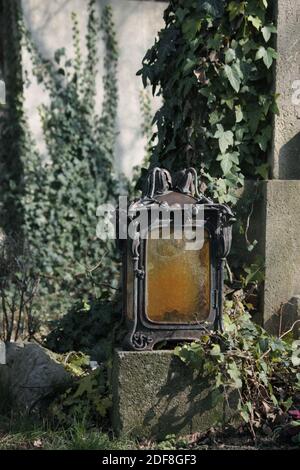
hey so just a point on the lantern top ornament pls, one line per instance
(160, 181)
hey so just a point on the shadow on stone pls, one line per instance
(155, 395)
(289, 167)
(285, 318)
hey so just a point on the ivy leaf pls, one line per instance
(263, 170)
(181, 13)
(235, 375)
(264, 137)
(270, 55)
(233, 156)
(215, 117)
(295, 361)
(216, 350)
(267, 55)
(254, 116)
(190, 63)
(245, 415)
(226, 164)
(239, 113)
(267, 31)
(225, 138)
(260, 53)
(234, 75)
(227, 161)
(214, 42)
(214, 8)
(230, 55)
(235, 9)
(257, 23)
(229, 102)
(296, 353)
(191, 27)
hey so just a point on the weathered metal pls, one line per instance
(181, 190)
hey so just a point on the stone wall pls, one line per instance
(285, 156)
(137, 23)
(282, 253)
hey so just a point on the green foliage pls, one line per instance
(50, 199)
(63, 188)
(87, 332)
(90, 328)
(88, 399)
(263, 369)
(254, 273)
(172, 441)
(212, 65)
(77, 363)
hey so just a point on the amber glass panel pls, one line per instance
(178, 281)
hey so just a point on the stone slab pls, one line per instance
(155, 395)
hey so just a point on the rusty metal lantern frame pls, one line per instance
(163, 189)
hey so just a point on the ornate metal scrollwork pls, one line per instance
(227, 219)
(140, 273)
(141, 340)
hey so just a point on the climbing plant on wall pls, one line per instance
(61, 198)
(62, 189)
(212, 64)
(12, 120)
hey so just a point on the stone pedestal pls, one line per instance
(282, 194)
(285, 160)
(275, 224)
(155, 395)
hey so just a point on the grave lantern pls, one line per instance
(173, 261)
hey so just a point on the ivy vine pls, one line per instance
(212, 64)
(263, 370)
(62, 189)
(139, 172)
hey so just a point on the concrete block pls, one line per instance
(155, 395)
